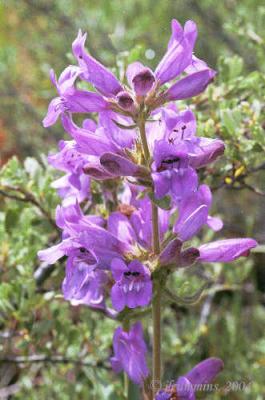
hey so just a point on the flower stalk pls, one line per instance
(156, 303)
(142, 131)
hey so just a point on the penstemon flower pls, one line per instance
(130, 353)
(75, 185)
(195, 380)
(133, 287)
(135, 169)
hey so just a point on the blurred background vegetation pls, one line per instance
(50, 350)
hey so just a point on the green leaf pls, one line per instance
(11, 218)
(164, 203)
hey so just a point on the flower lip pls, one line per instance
(174, 161)
(170, 160)
(168, 156)
(131, 273)
(133, 286)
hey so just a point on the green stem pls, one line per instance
(126, 385)
(141, 125)
(156, 308)
(156, 304)
(155, 227)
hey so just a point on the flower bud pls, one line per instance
(143, 82)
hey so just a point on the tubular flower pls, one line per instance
(226, 250)
(186, 386)
(133, 287)
(75, 184)
(130, 353)
(71, 99)
(172, 173)
(194, 213)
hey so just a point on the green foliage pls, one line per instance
(233, 110)
(36, 320)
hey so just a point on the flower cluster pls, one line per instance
(143, 155)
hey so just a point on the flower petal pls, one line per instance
(119, 226)
(193, 212)
(54, 111)
(171, 252)
(215, 223)
(93, 71)
(83, 101)
(54, 253)
(118, 297)
(187, 228)
(97, 172)
(179, 53)
(226, 250)
(206, 152)
(184, 183)
(190, 86)
(162, 183)
(90, 142)
(121, 166)
(205, 372)
(140, 78)
(184, 389)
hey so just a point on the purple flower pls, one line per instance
(90, 143)
(130, 353)
(84, 234)
(206, 151)
(173, 255)
(179, 125)
(179, 58)
(143, 82)
(179, 52)
(172, 173)
(118, 165)
(140, 78)
(133, 287)
(83, 283)
(193, 214)
(75, 184)
(68, 159)
(141, 220)
(202, 374)
(103, 150)
(72, 188)
(190, 86)
(121, 137)
(71, 99)
(54, 253)
(180, 131)
(133, 222)
(94, 72)
(72, 220)
(99, 76)
(126, 102)
(226, 250)
(162, 395)
(107, 136)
